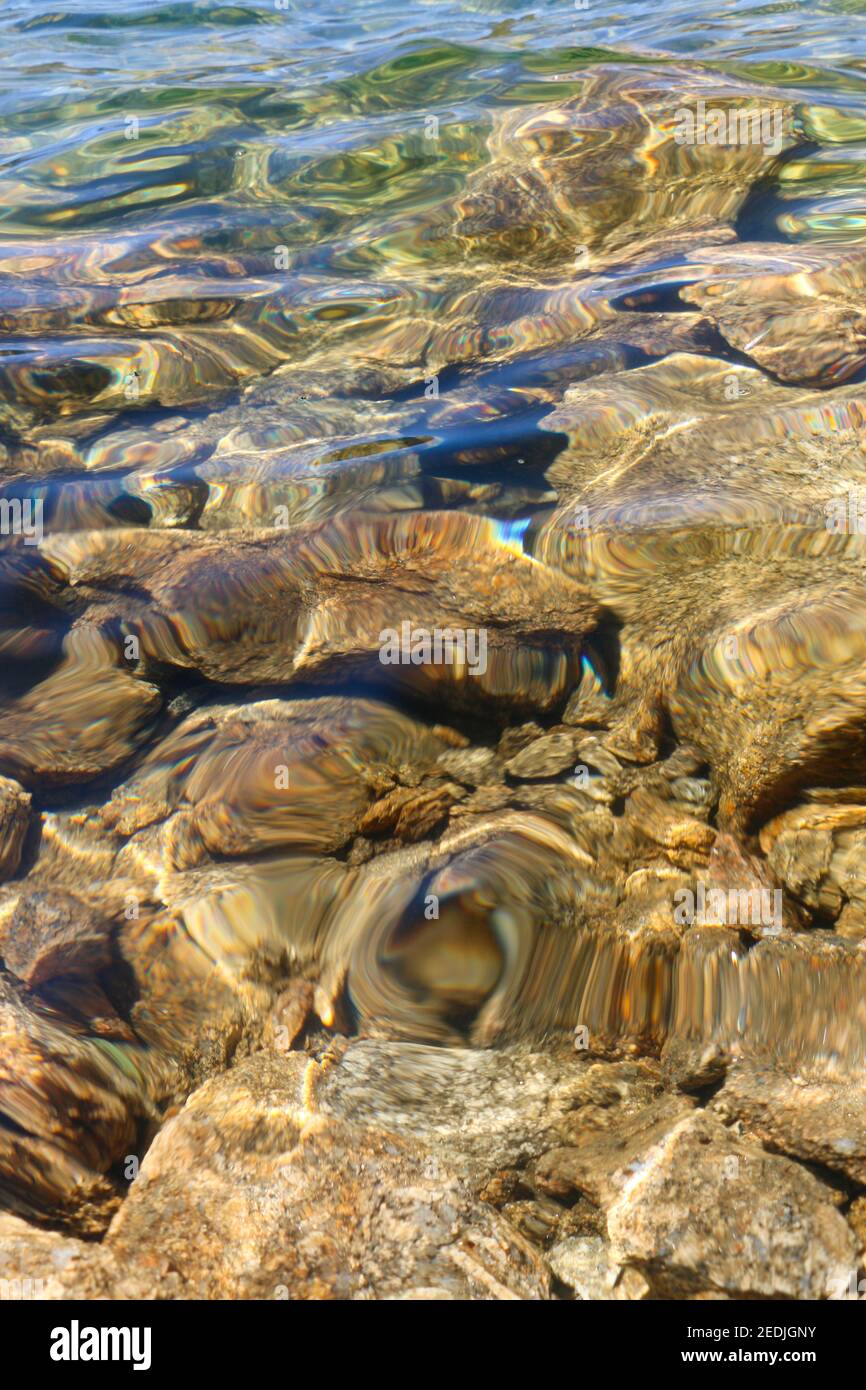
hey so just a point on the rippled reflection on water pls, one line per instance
(321, 322)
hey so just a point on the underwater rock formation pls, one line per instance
(433, 763)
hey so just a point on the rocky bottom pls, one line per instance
(373, 1170)
(515, 1031)
(433, 746)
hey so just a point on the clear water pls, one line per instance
(316, 319)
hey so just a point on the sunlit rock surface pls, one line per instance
(607, 167)
(802, 321)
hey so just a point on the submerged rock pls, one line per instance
(270, 1198)
(660, 504)
(584, 1263)
(802, 321)
(361, 598)
(14, 821)
(706, 1211)
(807, 1115)
(606, 166)
(54, 935)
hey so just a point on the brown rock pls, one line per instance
(409, 813)
(603, 1162)
(681, 838)
(704, 1211)
(518, 737)
(545, 757)
(588, 704)
(482, 802)
(250, 1192)
(291, 1010)
(821, 1121)
(475, 767)
(585, 1264)
(14, 820)
(52, 934)
(805, 324)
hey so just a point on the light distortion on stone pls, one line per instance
(433, 636)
